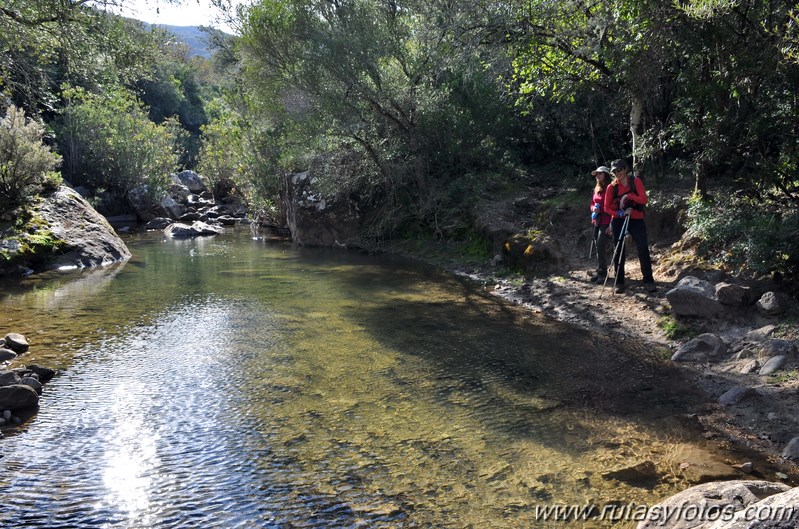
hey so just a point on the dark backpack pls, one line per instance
(617, 197)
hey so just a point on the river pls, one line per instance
(234, 382)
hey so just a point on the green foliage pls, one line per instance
(780, 377)
(32, 235)
(170, 88)
(673, 329)
(108, 142)
(709, 77)
(47, 42)
(81, 69)
(26, 164)
(476, 248)
(401, 87)
(745, 233)
(28, 50)
(237, 155)
(220, 155)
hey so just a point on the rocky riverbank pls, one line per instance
(735, 339)
(744, 357)
(21, 387)
(732, 356)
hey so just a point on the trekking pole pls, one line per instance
(593, 243)
(619, 244)
(621, 253)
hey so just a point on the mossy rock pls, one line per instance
(27, 242)
(532, 253)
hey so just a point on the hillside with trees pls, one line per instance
(420, 109)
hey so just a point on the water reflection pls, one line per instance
(49, 291)
(130, 456)
(227, 383)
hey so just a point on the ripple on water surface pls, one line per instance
(270, 387)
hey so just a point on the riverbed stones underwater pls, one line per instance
(21, 387)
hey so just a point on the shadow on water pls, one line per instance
(227, 383)
(480, 337)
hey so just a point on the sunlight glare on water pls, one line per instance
(226, 382)
(131, 455)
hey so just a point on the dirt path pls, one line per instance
(569, 296)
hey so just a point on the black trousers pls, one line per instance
(637, 229)
(602, 239)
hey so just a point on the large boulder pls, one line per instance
(158, 223)
(179, 192)
(44, 373)
(773, 365)
(80, 236)
(32, 382)
(733, 294)
(7, 354)
(146, 206)
(172, 207)
(538, 253)
(778, 511)
(771, 304)
(791, 450)
(8, 378)
(191, 180)
(702, 506)
(761, 334)
(694, 297)
(733, 396)
(315, 219)
(780, 347)
(18, 397)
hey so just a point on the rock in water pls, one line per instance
(16, 342)
(89, 240)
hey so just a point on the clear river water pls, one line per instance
(234, 382)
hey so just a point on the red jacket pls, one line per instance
(634, 198)
(599, 198)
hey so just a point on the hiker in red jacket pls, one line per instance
(626, 195)
(601, 222)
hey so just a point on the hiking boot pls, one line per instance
(598, 276)
(619, 288)
(650, 287)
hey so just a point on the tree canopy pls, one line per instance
(431, 105)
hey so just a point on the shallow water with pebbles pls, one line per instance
(232, 382)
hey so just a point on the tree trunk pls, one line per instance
(636, 117)
(700, 187)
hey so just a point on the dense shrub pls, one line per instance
(109, 143)
(26, 164)
(746, 234)
(235, 155)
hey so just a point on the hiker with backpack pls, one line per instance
(626, 196)
(601, 223)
